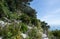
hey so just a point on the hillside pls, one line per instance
(18, 21)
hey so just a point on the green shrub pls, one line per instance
(13, 16)
(25, 18)
(11, 31)
(34, 34)
(34, 21)
(23, 27)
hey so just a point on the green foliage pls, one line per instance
(23, 27)
(56, 33)
(13, 16)
(34, 21)
(10, 31)
(3, 8)
(9, 9)
(1, 12)
(25, 18)
(17, 4)
(29, 11)
(34, 34)
(1, 31)
(45, 25)
(9, 34)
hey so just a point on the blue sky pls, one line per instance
(49, 11)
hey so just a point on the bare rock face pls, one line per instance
(24, 35)
(0, 37)
(44, 36)
(29, 27)
(2, 23)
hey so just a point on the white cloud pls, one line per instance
(52, 12)
(49, 11)
(52, 17)
(52, 21)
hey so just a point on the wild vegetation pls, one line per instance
(54, 34)
(17, 19)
